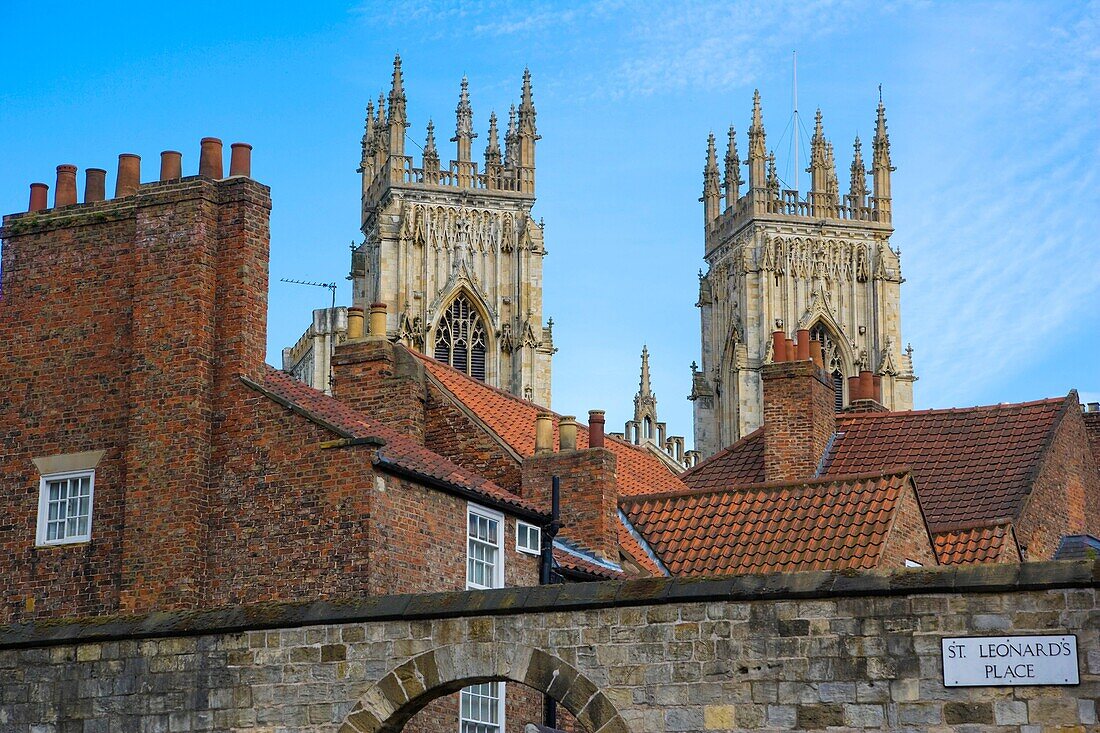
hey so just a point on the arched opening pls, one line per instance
(831, 358)
(461, 339)
(392, 702)
(648, 428)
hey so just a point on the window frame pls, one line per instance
(498, 568)
(43, 520)
(521, 525)
(500, 707)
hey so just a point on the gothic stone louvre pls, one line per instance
(777, 261)
(194, 540)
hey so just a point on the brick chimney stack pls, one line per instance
(589, 489)
(799, 415)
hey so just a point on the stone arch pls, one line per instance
(408, 688)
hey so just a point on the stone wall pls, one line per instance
(805, 651)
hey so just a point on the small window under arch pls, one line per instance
(460, 338)
(830, 357)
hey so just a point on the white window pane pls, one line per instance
(55, 491)
(82, 526)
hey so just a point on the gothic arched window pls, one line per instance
(460, 338)
(830, 357)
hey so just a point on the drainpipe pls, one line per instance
(546, 577)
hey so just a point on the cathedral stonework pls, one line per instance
(777, 261)
(453, 251)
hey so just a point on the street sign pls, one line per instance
(995, 661)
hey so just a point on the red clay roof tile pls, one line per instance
(513, 419)
(767, 528)
(976, 545)
(971, 465)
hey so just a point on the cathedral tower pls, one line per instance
(453, 251)
(779, 261)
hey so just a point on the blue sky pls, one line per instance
(994, 112)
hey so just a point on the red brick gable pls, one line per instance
(399, 452)
(971, 465)
(778, 527)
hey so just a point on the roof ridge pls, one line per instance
(768, 485)
(853, 416)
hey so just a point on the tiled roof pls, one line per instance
(399, 451)
(823, 524)
(513, 420)
(632, 547)
(975, 545)
(971, 465)
(1078, 547)
(738, 465)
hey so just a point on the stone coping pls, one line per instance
(1036, 576)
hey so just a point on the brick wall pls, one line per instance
(383, 381)
(908, 538)
(589, 495)
(1092, 428)
(798, 419)
(113, 344)
(65, 326)
(1065, 494)
(452, 433)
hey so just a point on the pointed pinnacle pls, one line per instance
(397, 73)
(756, 117)
(525, 98)
(817, 122)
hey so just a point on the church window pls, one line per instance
(460, 338)
(830, 357)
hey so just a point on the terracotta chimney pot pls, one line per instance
(129, 175)
(240, 160)
(815, 353)
(378, 320)
(853, 389)
(64, 193)
(567, 433)
(95, 184)
(791, 350)
(544, 433)
(210, 158)
(866, 385)
(803, 336)
(356, 319)
(38, 197)
(596, 422)
(171, 165)
(779, 347)
(876, 380)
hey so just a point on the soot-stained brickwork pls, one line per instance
(803, 651)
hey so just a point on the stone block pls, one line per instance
(718, 717)
(1052, 711)
(818, 716)
(1009, 712)
(683, 719)
(864, 716)
(957, 713)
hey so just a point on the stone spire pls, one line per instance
(643, 383)
(396, 111)
(431, 156)
(492, 154)
(368, 140)
(832, 185)
(510, 139)
(733, 171)
(464, 124)
(772, 183)
(818, 170)
(711, 193)
(757, 150)
(526, 135)
(880, 165)
(857, 189)
(381, 134)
